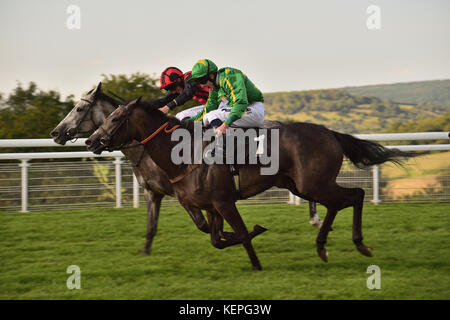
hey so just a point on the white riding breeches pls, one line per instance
(253, 116)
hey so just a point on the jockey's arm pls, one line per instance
(161, 102)
(185, 96)
(236, 86)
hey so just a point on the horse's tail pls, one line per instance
(364, 153)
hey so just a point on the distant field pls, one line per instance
(361, 119)
(411, 246)
(428, 173)
(419, 166)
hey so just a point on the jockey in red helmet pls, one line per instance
(174, 80)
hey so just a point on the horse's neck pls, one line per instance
(106, 108)
(160, 149)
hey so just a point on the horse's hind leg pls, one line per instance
(314, 219)
(231, 215)
(357, 224)
(336, 198)
(323, 233)
(313, 216)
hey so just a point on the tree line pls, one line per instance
(30, 112)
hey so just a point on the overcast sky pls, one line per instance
(281, 45)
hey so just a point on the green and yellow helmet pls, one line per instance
(202, 68)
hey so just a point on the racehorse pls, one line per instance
(310, 158)
(87, 115)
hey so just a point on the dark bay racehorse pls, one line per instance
(87, 115)
(310, 158)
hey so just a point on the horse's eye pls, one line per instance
(79, 109)
(115, 119)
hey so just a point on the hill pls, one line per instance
(342, 111)
(436, 92)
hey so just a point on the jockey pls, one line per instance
(174, 80)
(242, 103)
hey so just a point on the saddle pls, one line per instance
(234, 167)
(251, 152)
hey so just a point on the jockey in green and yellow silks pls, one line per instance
(233, 98)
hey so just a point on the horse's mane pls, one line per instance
(114, 102)
(151, 107)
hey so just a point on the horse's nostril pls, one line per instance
(103, 141)
(88, 142)
(54, 133)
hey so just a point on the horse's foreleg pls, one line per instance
(153, 207)
(198, 218)
(230, 237)
(231, 215)
(215, 225)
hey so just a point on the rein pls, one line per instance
(164, 126)
(150, 137)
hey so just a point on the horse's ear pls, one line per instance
(133, 103)
(98, 88)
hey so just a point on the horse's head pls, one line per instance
(115, 132)
(87, 115)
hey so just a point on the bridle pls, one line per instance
(164, 127)
(77, 131)
(107, 137)
(91, 118)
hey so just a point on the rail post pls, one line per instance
(117, 164)
(293, 199)
(376, 184)
(24, 184)
(135, 192)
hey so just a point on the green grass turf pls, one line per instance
(411, 246)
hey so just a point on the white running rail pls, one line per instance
(25, 157)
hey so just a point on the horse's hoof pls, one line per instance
(367, 251)
(318, 225)
(315, 221)
(259, 228)
(323, 254)
(146, 252)
(257, 268)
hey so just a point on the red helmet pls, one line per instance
(170, 75)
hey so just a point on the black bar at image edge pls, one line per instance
(222, 309)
